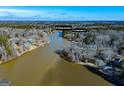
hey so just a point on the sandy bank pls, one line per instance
(32, 47)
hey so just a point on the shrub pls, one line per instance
(4, 42)
(89, 39)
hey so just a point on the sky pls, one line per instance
(62, 13)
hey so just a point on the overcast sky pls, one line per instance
(63, 13)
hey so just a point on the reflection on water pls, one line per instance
(56, 41)
(64, 73)
(43, 67)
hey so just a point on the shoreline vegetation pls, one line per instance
(20, 39)
(33, 47)
(99, 50)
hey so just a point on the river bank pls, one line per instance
(101, 50)
(33, 47)
(16, 42)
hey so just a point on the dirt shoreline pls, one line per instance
(33, 47)
(81, 63)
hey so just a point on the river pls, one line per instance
(43, 67)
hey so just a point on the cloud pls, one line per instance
(17, 12)
(21, 14)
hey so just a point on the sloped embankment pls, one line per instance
(16, 42)
(102, 50)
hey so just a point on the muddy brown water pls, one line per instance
(43, 67)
